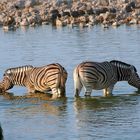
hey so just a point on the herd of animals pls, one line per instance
(88, 75)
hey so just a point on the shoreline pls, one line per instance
(81, 13)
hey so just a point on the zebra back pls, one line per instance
(18, 69)
(127, 72)
(122, 64)
(124, 71)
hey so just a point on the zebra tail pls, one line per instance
(5, 84)
(63, 82)
(77, 81)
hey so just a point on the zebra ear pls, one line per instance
(7, 73)
(133, 69)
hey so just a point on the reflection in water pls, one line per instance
(101, 103)
(99, 114)
(35, 103)
(98, 118)
(32, 109)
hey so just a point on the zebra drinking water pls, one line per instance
(50, 77)
(104, 75)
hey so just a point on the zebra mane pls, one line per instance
(122, 64)
(18, 69)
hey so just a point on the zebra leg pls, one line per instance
(56, 93)
(77, 91)
(31, 89)
(108, 91)
(88, 91)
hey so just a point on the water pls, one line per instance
(95, 118)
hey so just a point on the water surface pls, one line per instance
(98, 118)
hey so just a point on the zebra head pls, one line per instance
(5, 84)
(134, 78)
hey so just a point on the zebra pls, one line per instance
(103, 75)
(46, 78)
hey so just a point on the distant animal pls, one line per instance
(104, 75)
(50, 77)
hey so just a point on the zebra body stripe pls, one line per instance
(103, 75)
(95, 74)
(50, 77)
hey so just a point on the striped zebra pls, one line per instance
(50, 77)
(104, 75)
